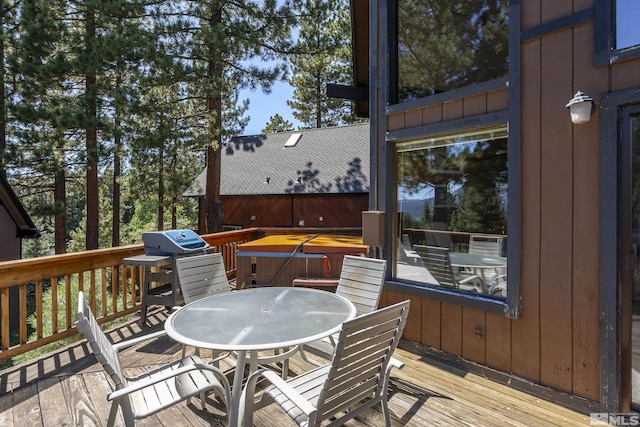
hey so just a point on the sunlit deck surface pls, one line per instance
(69, 387)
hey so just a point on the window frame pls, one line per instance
(508, 307)
(386, 41)
(604, 36)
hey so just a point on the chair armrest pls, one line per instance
(273, 378)
(198, 365)
(132, 341)
(470, 278)
(395, 363)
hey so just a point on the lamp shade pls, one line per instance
(581, 106)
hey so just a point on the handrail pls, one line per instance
(99, 272)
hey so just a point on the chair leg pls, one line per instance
(113, 413)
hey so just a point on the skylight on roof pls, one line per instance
(293, 140)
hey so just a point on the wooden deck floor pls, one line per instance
(68, 388)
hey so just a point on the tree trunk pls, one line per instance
(117, 172)
(60, 210)
(160, 219)
(92, 240)
(213, 205)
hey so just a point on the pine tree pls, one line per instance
(323, 56)
(277, 123)
(214, 43)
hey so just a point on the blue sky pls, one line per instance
(627, 28)
(262, 106)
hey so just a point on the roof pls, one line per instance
(8, 199)
(331, 160)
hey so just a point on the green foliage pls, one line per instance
(445, 45)
(158, 84)
(323, 56)
(47, 313)
(277, 123)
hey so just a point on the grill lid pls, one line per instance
(171, 242)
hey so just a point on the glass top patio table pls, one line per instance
(259, 319)
(252, 320)
(465, 259)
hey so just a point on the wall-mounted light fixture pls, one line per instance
(267, 180)
(299, 180)
(581, 106)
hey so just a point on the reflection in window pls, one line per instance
(627, 28)
(444, 45)
(452, 212)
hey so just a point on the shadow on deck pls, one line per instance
(69, 387)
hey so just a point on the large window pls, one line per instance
(444, 45)
(617, 34)
(627, 28)
(452, 211)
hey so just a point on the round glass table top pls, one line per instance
(259, 319)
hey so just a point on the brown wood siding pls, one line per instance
(556, 212)
(555, 342)
(10, 247)
(586, 194)
(270, 211)
(336, 210)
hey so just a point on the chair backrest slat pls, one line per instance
(201, 276)
(100, 344)
(361, 282)
(485, 245)
(363, 350)
(436, 259)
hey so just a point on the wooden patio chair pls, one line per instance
(356, 379)
(205, 275)
(152, 391)
(361, 282)
(485, 245)
(201, 276)
(436, 260)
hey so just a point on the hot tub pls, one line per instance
(279, 259)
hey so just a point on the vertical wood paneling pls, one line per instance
(554, 9)
(475, 105)
(556, 213)
(413, 327)
(473, 334)
(395, 121)
(529, 14)
(498, 342)
(432, 114)
(498, 100)
(451, 328)
(270, 211)
(394, 297)
(525, 348)
(625, 75)
(413, 118)
(452, 110)
(431, 326)
(586, 192)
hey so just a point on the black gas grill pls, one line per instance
(161, 249)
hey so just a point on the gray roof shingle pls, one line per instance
(327, 160)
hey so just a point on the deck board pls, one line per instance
(69, 387)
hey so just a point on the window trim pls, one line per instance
(510, 306)
(604, 36)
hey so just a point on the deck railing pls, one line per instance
(47, 288)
